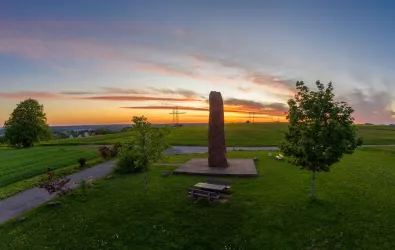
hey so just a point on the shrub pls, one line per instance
(127, 162)
(115, 149)
(105, 152)
(54, 184)
(82, 162)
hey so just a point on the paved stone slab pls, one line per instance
(236, 168)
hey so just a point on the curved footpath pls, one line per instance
(31, 198)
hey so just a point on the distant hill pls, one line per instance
(112, 127)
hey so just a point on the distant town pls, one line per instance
(78, 131)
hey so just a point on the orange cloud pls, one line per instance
(135, 98)
(241, 109)
(168, 108)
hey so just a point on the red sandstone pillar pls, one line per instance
(216, 132)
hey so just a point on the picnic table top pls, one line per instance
(210, 186)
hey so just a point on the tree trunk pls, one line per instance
(312, 194)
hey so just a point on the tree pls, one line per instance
(147, 147)
(320, 130)
(27, 125)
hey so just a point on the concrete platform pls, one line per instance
(236, 168)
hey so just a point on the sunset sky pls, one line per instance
(101, 62)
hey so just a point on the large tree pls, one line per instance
(320, 131)
(27, 124)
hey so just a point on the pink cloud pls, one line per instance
(52, 39)
(161, 70)
(30, 94)
(182, 72)
(34, 48)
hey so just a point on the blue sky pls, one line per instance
(88, 60)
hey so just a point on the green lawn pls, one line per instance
(355, 210)
(263, 134)
(20, 164)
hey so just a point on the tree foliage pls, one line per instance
(27, 124)
(320, 131)
(146, 147)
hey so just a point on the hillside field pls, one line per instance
(20, 168)
(258, 134)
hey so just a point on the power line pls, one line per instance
(176, 118)
(252, 117)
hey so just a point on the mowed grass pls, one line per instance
(258, 134)
(20, 164)
(354, 210)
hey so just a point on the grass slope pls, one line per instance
(354, 211)
(28, 183)
(20, 164)
(262, 134)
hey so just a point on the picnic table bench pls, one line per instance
(196, 193)
(219, 182)
(210, 187)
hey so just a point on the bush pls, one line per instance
(82, 162)
(54, 184)
(105, 152)
(127, 161)
(115, 149)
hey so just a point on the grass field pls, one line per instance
(263, 134)
(354, 210)
(20, 164)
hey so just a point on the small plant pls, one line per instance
(54, 184)
(105, 152)
(83, 186)
(82, 189)
(82, 162)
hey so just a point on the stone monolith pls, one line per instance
(216, 132)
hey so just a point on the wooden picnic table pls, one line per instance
(209, 186)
